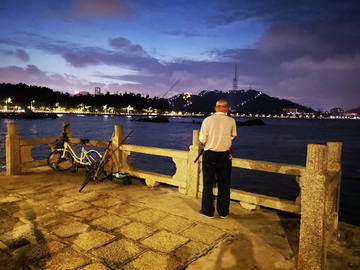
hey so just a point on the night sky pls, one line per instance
(304, 51)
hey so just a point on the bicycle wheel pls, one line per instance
(57, 163)
(93, 159)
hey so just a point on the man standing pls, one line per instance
(217, 133)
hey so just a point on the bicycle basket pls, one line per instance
(59, 143)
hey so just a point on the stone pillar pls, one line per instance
(312, 247)
(116, 157)
(333, 200)
(119, 159)
(193, 171)
(12, 150)
(67, 129)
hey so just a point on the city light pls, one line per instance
(31, 105)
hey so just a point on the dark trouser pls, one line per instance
(216, 169)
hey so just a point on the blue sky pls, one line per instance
(305, 51)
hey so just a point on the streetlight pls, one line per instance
(31, 105)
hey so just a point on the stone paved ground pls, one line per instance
(45, 223)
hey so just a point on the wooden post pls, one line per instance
(312, 243)
(193, 172)
(12, 150)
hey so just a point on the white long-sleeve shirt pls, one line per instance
(217, 132)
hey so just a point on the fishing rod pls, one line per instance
(106, 157)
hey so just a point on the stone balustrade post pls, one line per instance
(333, 200)
(12, 150)
(119, 159)
(193, 171)
(116, 153)
(67, 130)
(312, 242)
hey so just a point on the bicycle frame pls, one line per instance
(81, 160)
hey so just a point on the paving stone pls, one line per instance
(70, 229)
(93, 239)
(63, 200)
(164, 241)
(26, 191)
(107, 202)
(74, 191)
(21, 235)
(126, 209)
(54, 200)
(3, 193)
(190, 250)
(8, 263)
(6, 222)
(58, 188)
(64, 261)
(73, 206)
(10, 207)
(148, 215)
(174, 224)
(154, 261)
(9, 199)
(110, 221)
(87, 196)
(136, 230)
(37, 251)
(15, 186)
(30, 210)
(95, 266)
(52, 219)
(203, 233)
(41, 196)
(46, 183)
(117, 252)
(90, 213)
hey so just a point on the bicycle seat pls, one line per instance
(84, 141)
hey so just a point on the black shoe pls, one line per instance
(223, 216)
(201, 213)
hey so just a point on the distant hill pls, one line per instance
(240, 101)
(356, 110)
(24, 95)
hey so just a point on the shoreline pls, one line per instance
(54, 115)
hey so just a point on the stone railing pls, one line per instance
(319, 181)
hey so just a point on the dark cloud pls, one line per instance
(182, 33)
(32, 69)
(22, 55)
(125, 45)
(274, 11)
(79, 59)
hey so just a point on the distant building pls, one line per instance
(337, 111)
(78, 93)
(290, 110)
(97, 91)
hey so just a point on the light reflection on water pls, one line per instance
(280, 141)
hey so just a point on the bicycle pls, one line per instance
(63, 158)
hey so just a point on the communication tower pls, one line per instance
(235, 83)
